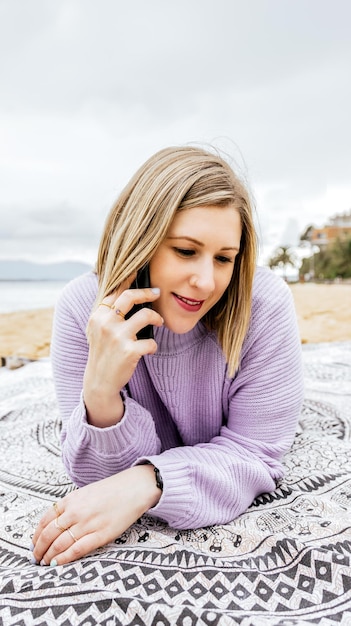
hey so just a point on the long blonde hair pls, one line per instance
(176, 179)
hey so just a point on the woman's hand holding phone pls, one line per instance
(115, 350)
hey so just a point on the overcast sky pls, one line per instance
(91, 88)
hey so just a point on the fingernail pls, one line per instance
(31, 547)
(33, 560)
(53, 563)
(42, 562)
(156, 290)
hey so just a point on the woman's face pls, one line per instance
(194, 264)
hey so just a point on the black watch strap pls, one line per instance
(159, 481)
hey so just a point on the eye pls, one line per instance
(184, 252)
(224, 259)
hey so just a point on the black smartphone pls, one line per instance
(142, 281)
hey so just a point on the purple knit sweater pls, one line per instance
(217, 441)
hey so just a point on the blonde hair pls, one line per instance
(176, 179)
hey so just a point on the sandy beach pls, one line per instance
(323, 313)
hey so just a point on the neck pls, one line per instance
(169, 342)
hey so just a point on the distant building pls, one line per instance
(339, 227)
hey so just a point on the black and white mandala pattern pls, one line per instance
(285, 562)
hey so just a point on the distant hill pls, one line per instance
(25, 270)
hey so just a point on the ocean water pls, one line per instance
(30, 294)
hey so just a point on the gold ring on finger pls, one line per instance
(71, 533)
(105, 304)
(58, 526)
(120, 313)
(57, 510)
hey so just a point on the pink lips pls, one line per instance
(188, 304)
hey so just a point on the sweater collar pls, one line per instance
(169, 343)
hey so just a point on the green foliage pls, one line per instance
(283, 257)
(333, 261)
(306, 233)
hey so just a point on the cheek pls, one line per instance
(157, 277)
(222, 286)
(163, 269)
(154, 267)
(224, 282)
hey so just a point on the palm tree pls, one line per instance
(283, 257)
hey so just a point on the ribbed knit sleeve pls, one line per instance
(90, 453)
(213, 482)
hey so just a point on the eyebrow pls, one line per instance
(199, 243)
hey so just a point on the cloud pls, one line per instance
(91, 89)
(67, 54)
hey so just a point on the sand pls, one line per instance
(323, 313)
(26, 333)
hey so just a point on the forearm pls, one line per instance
(211, 484)
(91, 453)
(103, 402)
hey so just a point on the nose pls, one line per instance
(203, 277)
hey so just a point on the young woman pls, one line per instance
(190, 425)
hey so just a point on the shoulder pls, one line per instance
(269, 292)
(81, 290)
(77, 298)
(273, 309)
(266, 279)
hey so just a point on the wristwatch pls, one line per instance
(159, 481)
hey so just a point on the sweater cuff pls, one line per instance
(175, 504)
(135, 430)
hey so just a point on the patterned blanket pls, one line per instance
(286, 561)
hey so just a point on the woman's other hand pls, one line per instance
(114, 352)
(94, 515)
